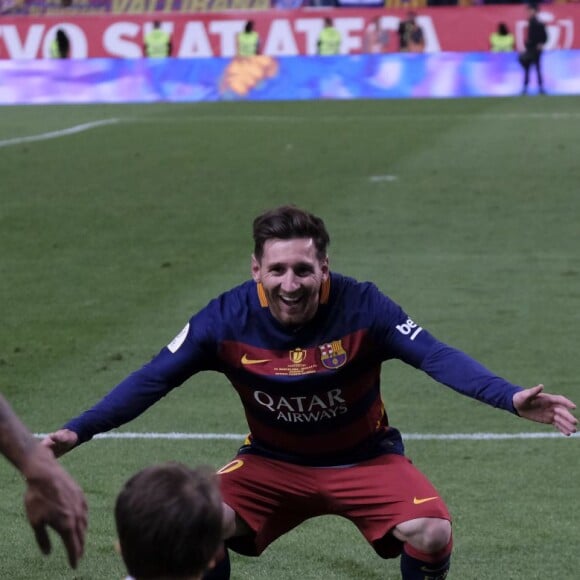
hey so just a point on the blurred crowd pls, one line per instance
(92, 6)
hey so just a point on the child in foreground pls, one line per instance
(169, 522)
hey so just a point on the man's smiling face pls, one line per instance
(291, 274)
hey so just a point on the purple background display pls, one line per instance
(287, 78)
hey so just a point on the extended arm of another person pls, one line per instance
(52, 497)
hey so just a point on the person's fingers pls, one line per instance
(83, 522)
(534, 391)
(73, 533)
(42, 538)
(565, 413)
(564, 421)
(55, 444)
(564, 428)
(524, 400)
(48, 441)
(81, 527)
(60, 441)
(74, 549)
(536, 397)
(564, 401)
(73, 545)
(527, 394)
(71, 529)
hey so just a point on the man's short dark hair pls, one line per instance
(169, 521)
(287, 223)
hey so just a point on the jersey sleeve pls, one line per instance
(408, 341)
(468, 377)
(396, 333)
(192, 350)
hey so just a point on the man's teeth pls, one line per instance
(288, 300)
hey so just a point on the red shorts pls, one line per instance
(273, 497)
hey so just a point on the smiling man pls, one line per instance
(303, 347)
(291, 273)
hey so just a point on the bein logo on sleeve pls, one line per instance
(409, 327)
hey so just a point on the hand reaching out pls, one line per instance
(535, 405)
(60, 441)
(53, 499)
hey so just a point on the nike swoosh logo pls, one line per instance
(419, 501)
(253, 361)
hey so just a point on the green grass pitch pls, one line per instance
(467, 212)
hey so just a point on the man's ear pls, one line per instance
(325, 267)
(255, 269)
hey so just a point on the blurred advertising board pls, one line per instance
(282, 32)
(266, 78)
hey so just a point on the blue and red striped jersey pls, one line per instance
(311, 395)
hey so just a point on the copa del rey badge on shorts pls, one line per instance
(332, 355)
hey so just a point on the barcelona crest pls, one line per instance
(332, 355)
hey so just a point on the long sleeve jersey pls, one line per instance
(311, 395)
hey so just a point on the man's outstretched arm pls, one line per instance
(467, 376)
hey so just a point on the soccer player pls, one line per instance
(169, 521)
(52, 497)
(303, 347)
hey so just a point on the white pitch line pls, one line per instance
(210, 436)
(418, 117)
(481, 436)
(379, 178)
(406, 437)
(562, 116)
(57, 134)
